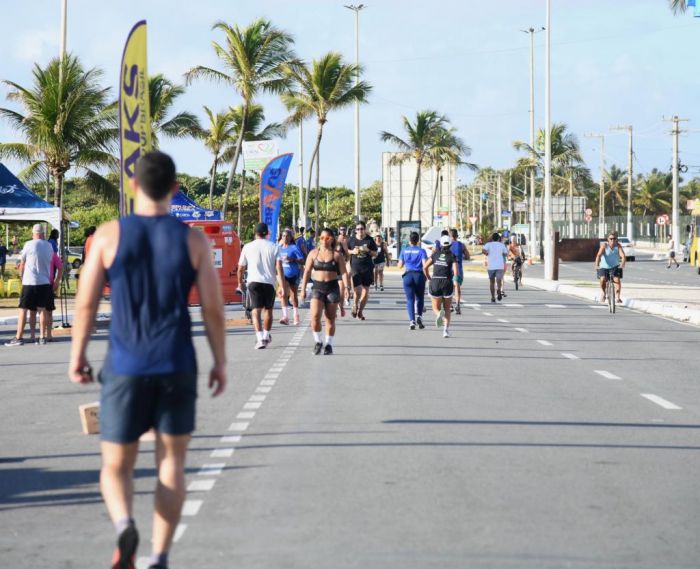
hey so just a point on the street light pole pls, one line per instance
(548, 225)
(356, 9)
(301, 221)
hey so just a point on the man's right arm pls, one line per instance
(209, 289)
(597, 257)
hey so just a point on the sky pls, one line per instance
(622, 62)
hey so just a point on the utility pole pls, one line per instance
(301, 221)
(675, 229)
(601, 194)
(533, 229)
(499, 203)
(571, 204)
(630, 158)
(548, 225)
(356, 9)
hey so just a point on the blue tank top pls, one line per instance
(151, 277)
(610, 258)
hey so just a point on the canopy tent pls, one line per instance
(18, 203)
(185, 209)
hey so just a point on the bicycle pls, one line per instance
(610, 292)
(517, 273)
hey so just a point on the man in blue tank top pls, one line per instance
(149, 378)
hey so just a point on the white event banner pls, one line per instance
(257, 153)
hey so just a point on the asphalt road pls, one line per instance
(643, 270)
(545, 433)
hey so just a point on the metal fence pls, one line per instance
(644, 228)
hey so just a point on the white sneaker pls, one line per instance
(440, 319)
(260, 345)
(445, 333)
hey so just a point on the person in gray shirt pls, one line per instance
(35, 268)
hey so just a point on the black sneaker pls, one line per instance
(42, 341)
(493, 299)
(412, 325)
(381, 288)
(125, 552)
(15, 342)
(328, 350)
(318, 346)
(499, 296)
(419, 321)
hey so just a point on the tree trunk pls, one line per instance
(213, 182)
(58, 189)
(437, 183)
(240, 198)
(234, 164)
(415, 190)
(319, 135)
(318, 188)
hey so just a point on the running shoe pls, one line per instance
(458, 309)
(318, 346)
(268, 340)
(328, 350)
(381, 288)
(360, 315)
(419, 321)
(412, 325)
(499, 295)
(42, 341)
(445, 333)
(125, 553)
(15, 342)
(440, 319)
(296, 320)
(503, 294)
(354, 312)
(493, 299)
(260, 345)
(284, 321)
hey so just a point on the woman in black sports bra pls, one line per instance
(324, 265)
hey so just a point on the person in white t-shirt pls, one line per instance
(672, 253)
(262, 259)
(496, 253)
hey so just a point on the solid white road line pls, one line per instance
(213, 469)
(191, 507)
(238, 426)
(544, 342)
(253, 405)
(228, 439)
(514, 305)
(606, 374)
(222, 453)
(597, 306)
(523, 330)
(661, 401)
(246, 415)
(555, 306)
(504, 320)
(570, 356)
(201, 485)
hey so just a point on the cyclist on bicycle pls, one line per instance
(609, 263)
(515, 252)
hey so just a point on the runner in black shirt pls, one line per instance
(441, 286)
(362, 249)
(380, 261)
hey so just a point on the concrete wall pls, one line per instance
(578, 249)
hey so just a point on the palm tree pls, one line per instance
(420, 137)
(68, 122)
(162, 94)
(654, 194)
(617, 188)
(253, 59)
(316, 89)
(678, 6)
(254, 130)
(216, 137)
(447, 148)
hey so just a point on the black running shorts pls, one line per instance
(262, 295)
(365, 278)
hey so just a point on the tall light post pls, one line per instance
(301, 221)
(533, 229)
(356, 9)
(548, 226)
(675, 228)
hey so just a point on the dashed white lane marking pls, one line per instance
(487, 314)
(544, 342)
(253, 405)
(257, 398)
(597, 306)
(222, 452)
(514, 305)
(179, 532)
(271, 376)
(201, 485)
(191, 507)
(606, 374)
(570, 356)
(472, 305)
(246, 415)
(263, 389)
(268, 382)
(213, 469)
(523, 330)
(504, 320)
(228, 439)
(555, 305)
(661, 401)
(238, 426)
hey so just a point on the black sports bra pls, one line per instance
(326, 265)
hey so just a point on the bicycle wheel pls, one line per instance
(611, 296)
(516, 277)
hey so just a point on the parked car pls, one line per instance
(74, 258)
(627, 247)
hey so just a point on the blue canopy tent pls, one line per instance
(18, 203)
(185, 209)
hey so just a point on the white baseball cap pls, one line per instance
(445, 240)
(38, 228)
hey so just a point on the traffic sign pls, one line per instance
(588, 218)
(589, 211)
(520, 206)
(661, 220)
(505, 213)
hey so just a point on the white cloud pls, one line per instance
(35, 45)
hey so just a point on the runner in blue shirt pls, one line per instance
(459, 252)
(301, 242)
(292, 259)
(412, 258)
(310, 242)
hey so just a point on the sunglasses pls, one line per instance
(326, 238)
(359, 229)
(612, 238)
(343, 229)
